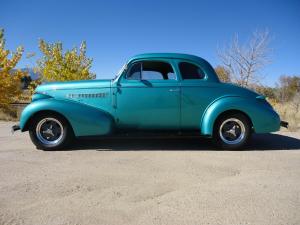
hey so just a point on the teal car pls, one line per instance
(160, 93)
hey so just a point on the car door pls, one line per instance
(196, 94)
(148, 97)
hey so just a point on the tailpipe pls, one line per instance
(15, 128)
(284, 124)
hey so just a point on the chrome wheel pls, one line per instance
(49, 131)
(232, 131)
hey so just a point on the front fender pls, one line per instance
(85, 120)
(264, 119)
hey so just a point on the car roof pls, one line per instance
(204, 64)
(167, 55)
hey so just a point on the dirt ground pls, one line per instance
(150, 181)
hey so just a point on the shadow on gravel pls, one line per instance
(258, 142)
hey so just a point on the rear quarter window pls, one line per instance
(190, 71)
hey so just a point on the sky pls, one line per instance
(116, 30)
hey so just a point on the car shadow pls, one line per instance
(258, 142)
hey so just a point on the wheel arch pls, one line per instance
(230, 112)
(221, 107)
(46, 112)
(85, 120)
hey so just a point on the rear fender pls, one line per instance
(85, 120)
(263, 118)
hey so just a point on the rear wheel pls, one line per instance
(50, 132)
(232, 131)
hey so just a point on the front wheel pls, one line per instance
(232, 131)
(50, 132)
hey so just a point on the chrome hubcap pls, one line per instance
(49, 131)
(232, 131)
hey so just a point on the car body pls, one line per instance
(157, 92)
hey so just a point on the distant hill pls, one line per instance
(32, 74)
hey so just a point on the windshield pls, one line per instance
(124, 67)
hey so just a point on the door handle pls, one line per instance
(174, 90)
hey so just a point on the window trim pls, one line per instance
(152, 60)
(129, 69)
(195, 64)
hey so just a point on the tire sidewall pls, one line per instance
(220, 143)
(66, 134)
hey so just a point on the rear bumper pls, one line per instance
(15, 128)
(284, 124)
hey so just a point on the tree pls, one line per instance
(296, 102)
(288, 87)
(56, 65)
(245, 62)
(10, 78)
(223, 74)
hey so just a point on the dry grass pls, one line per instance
(9, 114)
(13, 113)
(290, 113)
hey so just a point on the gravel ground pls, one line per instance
(150, 181)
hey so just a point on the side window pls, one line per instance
(134, 72)
(155, 70)
(190, 71)
(171, 76)
(151, 70)
(152, 75)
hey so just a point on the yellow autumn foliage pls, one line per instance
(10, 78)
(57, 65)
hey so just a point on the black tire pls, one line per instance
(240, 131)
(65, 137)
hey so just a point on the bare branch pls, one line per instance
(245, 62)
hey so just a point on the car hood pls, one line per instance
(84, 84)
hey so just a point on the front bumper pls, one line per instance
(15, 128)
(284, 124)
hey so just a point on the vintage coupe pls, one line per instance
(153, 93)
